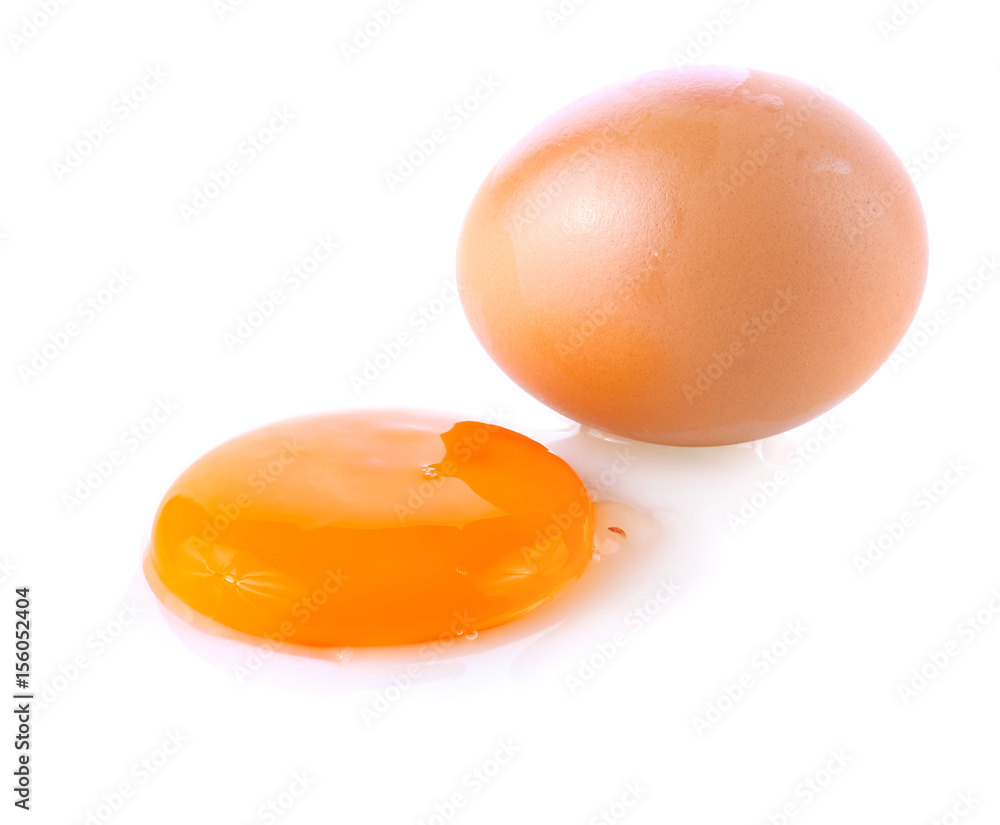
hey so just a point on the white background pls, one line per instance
(930, 76)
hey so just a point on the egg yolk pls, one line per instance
(373, 528)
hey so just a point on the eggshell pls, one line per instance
(697, 256)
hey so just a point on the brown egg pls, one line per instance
(697, 256)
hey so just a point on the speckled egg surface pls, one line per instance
(697, 256)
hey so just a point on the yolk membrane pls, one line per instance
(372, 528)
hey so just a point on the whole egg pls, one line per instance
(697, 256)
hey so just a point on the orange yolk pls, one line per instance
(372, 528)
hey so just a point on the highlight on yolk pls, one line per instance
(372, 528)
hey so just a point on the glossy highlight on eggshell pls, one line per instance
(377, 527)
(698, 256)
